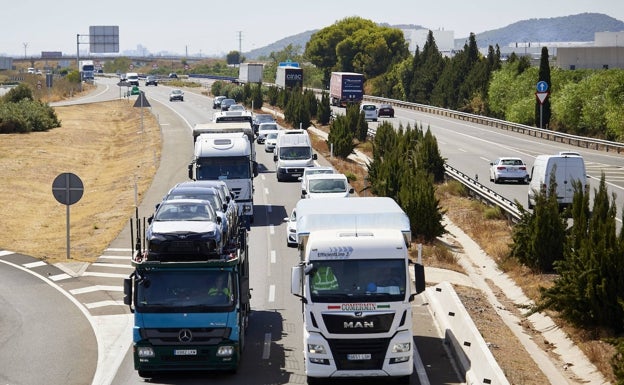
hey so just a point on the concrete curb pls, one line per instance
(476, 362)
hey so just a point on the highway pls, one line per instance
(96, 349)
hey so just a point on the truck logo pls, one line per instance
(358, 325)
(185, 335)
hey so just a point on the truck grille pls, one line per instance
(198, 336)
(342, 323)
(376, 347)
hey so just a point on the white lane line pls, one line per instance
(273, 256)
(5, 252)
(266, 346)
(112, 265)
(59, 277)
(272, 229)
(104, 275)
(272, 293)
(94, 305)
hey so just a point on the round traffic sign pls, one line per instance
(67, 188)
(542, 86)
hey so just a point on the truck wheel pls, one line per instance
(314, 381)
(145, 374)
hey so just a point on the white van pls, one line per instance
(567, 168)
(132, 78)
(326, 186)
(293, 153)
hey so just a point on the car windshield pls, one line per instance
(212, 197)
(183, 211)
(368, 107)
(327, 186)
(295, 153)
(511, 162)
(353, 280)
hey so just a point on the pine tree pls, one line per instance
(544, 75)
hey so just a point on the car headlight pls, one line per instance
(401, 347)
(316, 348)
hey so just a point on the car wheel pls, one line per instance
(496, 180)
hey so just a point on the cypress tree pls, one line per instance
(544, 75)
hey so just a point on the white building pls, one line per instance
(445, 40)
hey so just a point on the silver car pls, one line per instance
(291, 229)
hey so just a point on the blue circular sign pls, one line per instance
(542, 86)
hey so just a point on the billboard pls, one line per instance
(104, 39)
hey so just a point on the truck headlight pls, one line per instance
(401, 347)
(316, 348)
(145, 351)
(225, 351)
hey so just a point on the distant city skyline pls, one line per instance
(201, 28)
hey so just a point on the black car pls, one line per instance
(173, 75)
(385, 110)
(226, 103)
(151, 80)
(216, 103)
(176, 95)
(261, 118)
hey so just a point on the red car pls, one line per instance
(385, 110)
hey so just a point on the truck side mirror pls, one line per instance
(128, 293)
(314, 156)
(274, 157)
(255, 169)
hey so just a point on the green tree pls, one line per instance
(340, 138)
(418, 200)
(233, 57)
(542, 110)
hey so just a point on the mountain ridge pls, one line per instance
(573, 28)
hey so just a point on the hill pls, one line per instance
(573, 28)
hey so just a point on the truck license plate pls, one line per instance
(185, 352)
(358, 357)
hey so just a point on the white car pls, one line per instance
(270, 140)
(370, 111)
(291, 229)
(508, 168)
(263, 129)
(314, 170)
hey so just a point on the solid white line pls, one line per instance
(420, 368)
(266, 346)
(120, 257)
(272, 293)
(104, 275)
(5, 252)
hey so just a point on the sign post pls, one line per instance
(67, 188)
(541, 95)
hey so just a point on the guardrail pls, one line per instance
(572, 140)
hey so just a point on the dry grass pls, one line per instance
(101, 143)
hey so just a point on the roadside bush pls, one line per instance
(26, 116)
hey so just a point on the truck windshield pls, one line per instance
(166, 291)
(363, 280)
(223, 168)
(295, 153)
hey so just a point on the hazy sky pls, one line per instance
(213, 27)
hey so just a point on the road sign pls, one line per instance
(541, 96)
(542, 86)
(67, 188)
(141, 101)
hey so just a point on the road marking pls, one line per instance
(266, 346)
(118, 249)
(273, 259)
(59, 277)
(266, 191)
(119, 257)
(112, 265)
(91, 289)
(34, 264)
(94, 305)
(272, 229)
(104, 275)
(5, 252)
(272, 293)
(420, 368)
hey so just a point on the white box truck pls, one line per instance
(227, 156)
(250, 73)
(355, 287)
(566, 169)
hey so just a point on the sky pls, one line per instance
(214, 28)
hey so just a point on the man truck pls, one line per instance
(355, 287)
(223, 151)
(190, 314)
(346, 88)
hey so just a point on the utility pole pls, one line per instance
(25, 46)
(240, 46)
